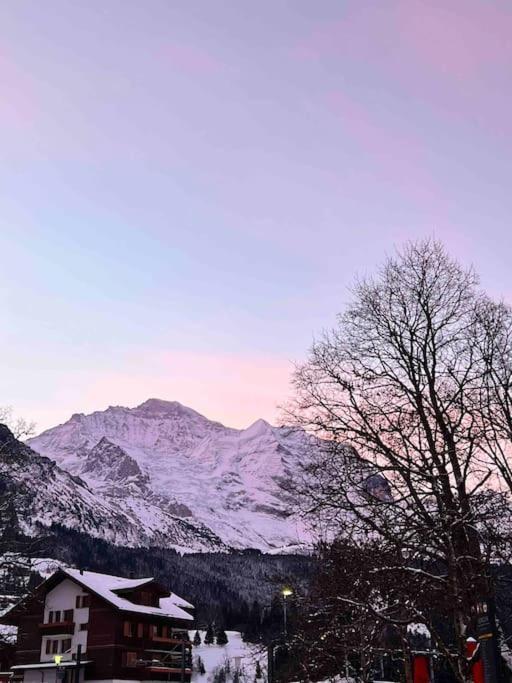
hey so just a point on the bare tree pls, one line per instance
(20, 428)
(16, 549)
(401, 379)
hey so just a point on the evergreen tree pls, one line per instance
(197, 639)
(220, 676)
(252, 632)
(258, 671)
(222, 637)
(209, 635)
(200, 666)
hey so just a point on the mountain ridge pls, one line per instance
(224, 479)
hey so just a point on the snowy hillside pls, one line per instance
(40, 493)
(164, 456)
(235, 655)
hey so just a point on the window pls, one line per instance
(84, 627)
(160, 631)
(129, 629)
(130, 658)
(68, 615)
(54, 647)
(82, 601)
(140, 630)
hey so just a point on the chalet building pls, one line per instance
(80, 625)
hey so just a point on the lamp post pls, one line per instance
(59, 671)
(286, 592)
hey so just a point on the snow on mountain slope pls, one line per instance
(40, 493)
(176, 459)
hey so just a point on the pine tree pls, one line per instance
(222, 638)
(258, 671)
(209, 635)
(200, 666)
(197, 639)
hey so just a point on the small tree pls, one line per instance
(222, 638)
(197, 639)
(220, 675)
(200, 666)
(209, 635)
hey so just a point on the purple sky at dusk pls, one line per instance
(188, 189)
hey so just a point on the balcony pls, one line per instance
(156, 669)
(156, 642)
(57, 628)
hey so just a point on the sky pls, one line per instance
(188, 189)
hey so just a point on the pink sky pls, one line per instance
(187, 190)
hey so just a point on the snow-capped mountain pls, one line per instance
(164, 456)
(37, 493)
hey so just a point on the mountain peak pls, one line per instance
(258, 428)
(158, 405)
(165, 454)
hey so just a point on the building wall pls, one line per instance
(104, 643)
(105, 634)
(44, 676)
(63, 597)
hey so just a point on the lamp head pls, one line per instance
(286, 592)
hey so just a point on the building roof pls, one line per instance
(106, 586)
(174, 599)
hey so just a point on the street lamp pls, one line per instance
(286, 592)
(59, 671)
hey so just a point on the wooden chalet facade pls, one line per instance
(102, 628)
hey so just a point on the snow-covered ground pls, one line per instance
(240, 655)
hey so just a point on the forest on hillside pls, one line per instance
(238, 590)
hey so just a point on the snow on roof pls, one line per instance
(174, 599)
(104, 585)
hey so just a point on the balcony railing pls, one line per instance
(148, 642)
(57, 627)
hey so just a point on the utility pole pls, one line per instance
(183, 661)
(286, 592)
(78, 662)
